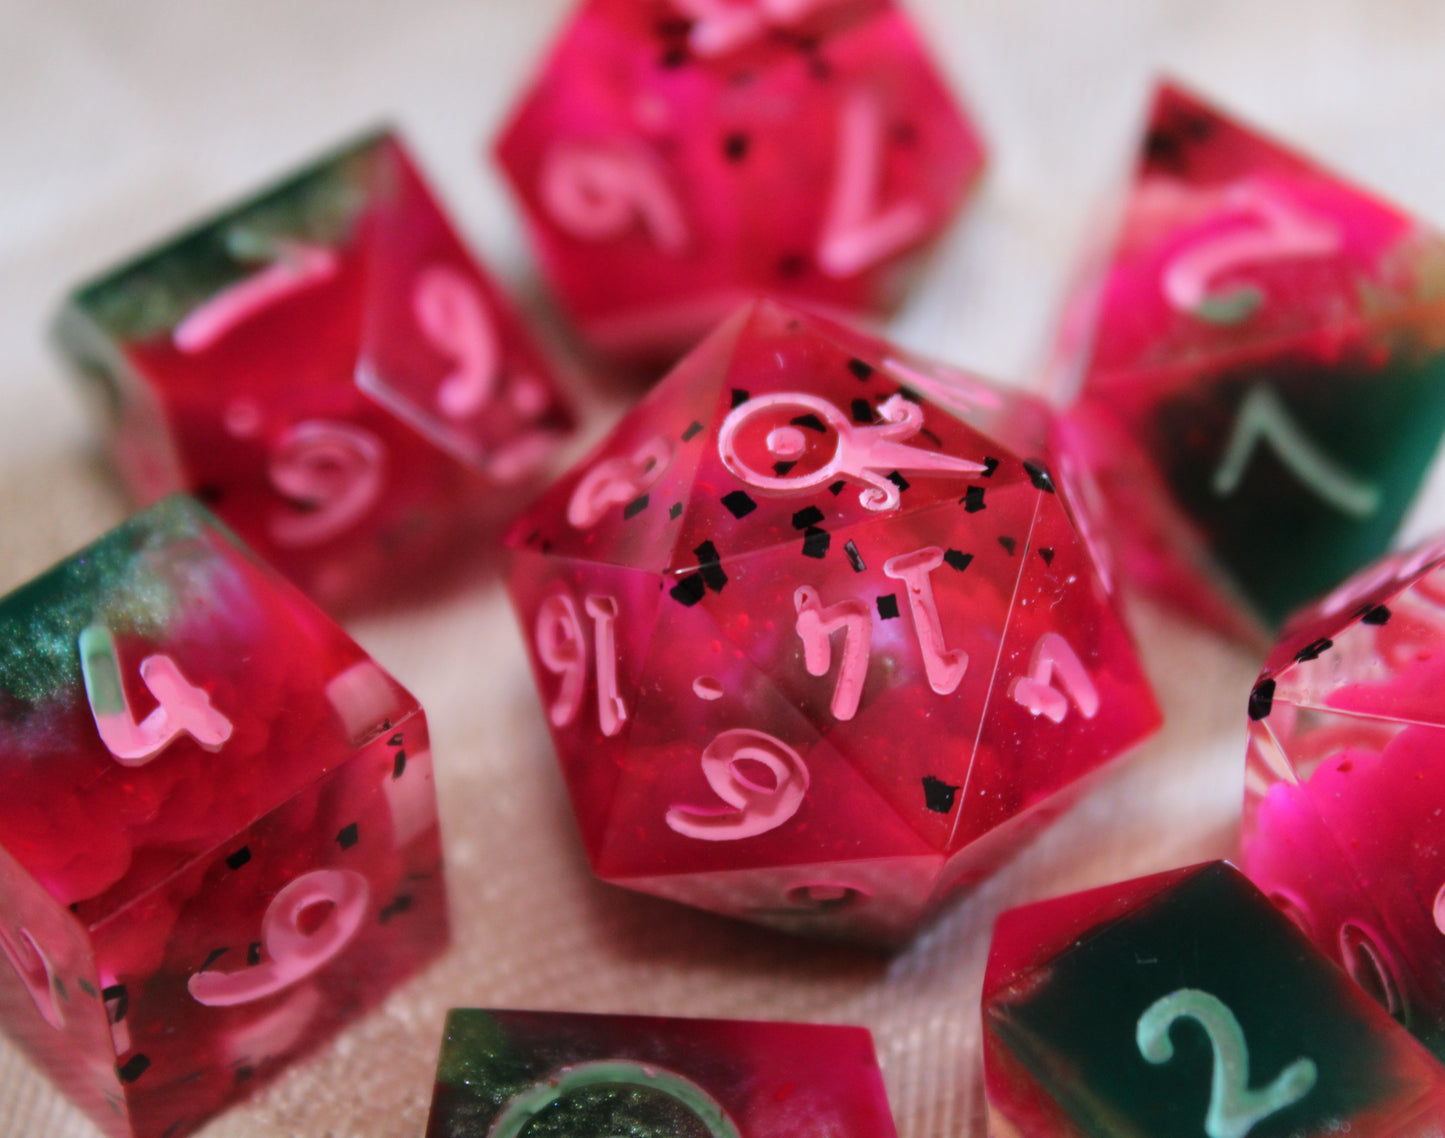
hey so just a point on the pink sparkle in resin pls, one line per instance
(675, 157)
(814, 651)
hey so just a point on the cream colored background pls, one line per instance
(119, 121)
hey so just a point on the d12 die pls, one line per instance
(218, 831)
(1263, 381)
(676, 157)
(506, 1073)
(1185, 1004)
(327, 366)
(815, 652)
(1345, 800)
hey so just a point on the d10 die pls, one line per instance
(676, 157)
(218, 832)
(1185, 1004)
(327, 366)
(506, 1073)
(815, 652)
(1345, 799)
(1263, 382)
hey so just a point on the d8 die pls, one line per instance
(505, 1073)
(328, 368)
(676, 157)
(1262, 364)
(815, 652)
(1345, 798)
(1185, 1004)
(218, 832)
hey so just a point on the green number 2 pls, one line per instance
(1234, 1109)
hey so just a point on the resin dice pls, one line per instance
(1262, 365)
(1345, 796)
(218, 830)
(327, 367)
(506, 1073)
(814, 651)
(676, 157)
(1184, 1004)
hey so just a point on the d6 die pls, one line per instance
(327, 367)
(505, 1073)
(1262, 374)
(815, 652)
(1345, 800)
(218, 833)
(1185, 1004)
(675, 157)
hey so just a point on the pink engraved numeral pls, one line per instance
(35, 972)
(1053, 657)
(332, 472)
(1282, 231)
(562, 648)
(617, 481)
(753, 807)
(857, 231)
(450, 313)
(720, 27)
(599, 193)
(815, 625)
(182, 707)
(296, 268)
(943, 666)
(330, 903)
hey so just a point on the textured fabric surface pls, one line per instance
(119, 122)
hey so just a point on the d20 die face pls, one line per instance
(793, 614)
(328, 367)
(505, 1072)
(678, 156)
(1342, 824)
(233, 858)
(1264, 361)
(1187, 1004)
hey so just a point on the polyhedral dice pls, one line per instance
(507, 1073)
(1345, 799)
(218, 830)
(1262, 364)
(326, 366)
(1184, 1004)
(676, 157)
(815, 652)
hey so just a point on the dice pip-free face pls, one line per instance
(1345, 799)
(1262, 370)
(505, 1073)
(1186, 1004)
(218, 833)
(814, 651)
(329, 369)
(676, 157)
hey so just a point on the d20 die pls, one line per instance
(505, 1073)
(1261, 370)
(327, 366)
(1185, 1004)
(815, 652)
(1345, 800)
(218, 831)
(676, 157)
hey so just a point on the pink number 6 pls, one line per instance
(332, 471)
(598, 193)
(450, 313)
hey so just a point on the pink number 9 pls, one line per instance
(294, 954)
(563, 652)
(758, 808)
(450, 313)
(332, 471)
(598, 193)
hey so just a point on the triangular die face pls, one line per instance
(1069, 694)
(587, 628)
(814, 425)
(440, 345)
(711, 726)
(624, 503)
(1230, 241)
